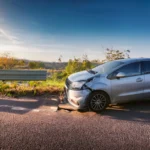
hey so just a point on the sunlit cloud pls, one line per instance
(11, 38)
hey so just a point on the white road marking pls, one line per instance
(5, 106)
(19, 108)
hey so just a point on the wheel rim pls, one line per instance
(98, 102)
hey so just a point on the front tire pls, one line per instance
(98, 101)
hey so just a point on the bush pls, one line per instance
(59, 76)
(73, 66)
(3, 87)
(77, 65)
(36, 65)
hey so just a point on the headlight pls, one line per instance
(77, 85)
(82, 84)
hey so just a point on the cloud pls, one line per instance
(9, 37)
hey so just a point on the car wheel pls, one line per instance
(98, 101)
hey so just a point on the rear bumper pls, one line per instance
(77, 98)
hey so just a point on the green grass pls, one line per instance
(31, 88)
(59, 84)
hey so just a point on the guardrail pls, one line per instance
(23, 75)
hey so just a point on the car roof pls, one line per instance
(130, 60)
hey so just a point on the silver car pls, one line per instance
(110, 83)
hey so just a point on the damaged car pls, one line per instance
(110, 83)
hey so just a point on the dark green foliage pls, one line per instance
(74, 65)
(59, 76)
(36, 65)
(77, 65)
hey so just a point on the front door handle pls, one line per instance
(139, 80)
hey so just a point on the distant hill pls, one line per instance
(48, 65)
(55, 65)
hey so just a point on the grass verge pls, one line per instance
(32, 88)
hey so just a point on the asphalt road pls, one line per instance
(33, 124)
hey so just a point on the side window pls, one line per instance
(146, 67)
(129, 70)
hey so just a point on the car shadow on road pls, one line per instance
(133, 111)
(25, 105)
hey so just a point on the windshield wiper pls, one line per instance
(92, 71)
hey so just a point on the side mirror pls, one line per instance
(120, 75)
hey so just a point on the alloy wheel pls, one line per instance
(98, 102)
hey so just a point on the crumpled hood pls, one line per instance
(80, 76)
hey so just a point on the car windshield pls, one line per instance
(107, 67)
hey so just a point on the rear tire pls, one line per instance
(98, 101)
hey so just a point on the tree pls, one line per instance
(112, 54)
(85, 57)
(60, 58)
(36, 65)
(32, 65)
(95, 61)
(77, 65)
(21, 63)
(7, 62)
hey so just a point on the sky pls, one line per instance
(45, 29)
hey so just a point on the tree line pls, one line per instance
(74, 65)
(9, 62)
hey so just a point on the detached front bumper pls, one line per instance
(77, 98)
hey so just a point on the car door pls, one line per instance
(131, 86)
(146, 72)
